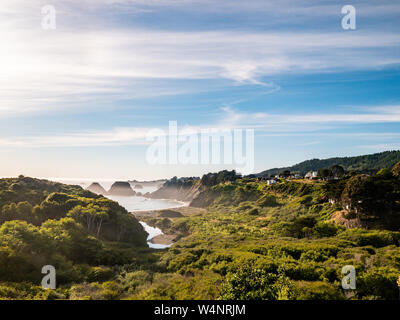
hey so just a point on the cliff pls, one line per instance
(183, 189)
(96, 188)
(121, 188)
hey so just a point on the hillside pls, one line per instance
(182, 189)
(121, 188)
(80, 233)
(188, 189)
(240, 239)
(96, 188)
(372, 162)
(245, 239)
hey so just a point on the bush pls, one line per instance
(378, 239)
(306, 200)
(325, 229)
(379, 283)
(300, 227)
(132, 280)
(317, 290)
(249, 283)
(267, 201)
(100, 274)
(253, 212)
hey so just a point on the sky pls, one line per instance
(80, 101)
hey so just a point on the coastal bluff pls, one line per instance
(96, 188)
(121, 188)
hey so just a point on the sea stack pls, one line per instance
(96, 188)
(121, 188)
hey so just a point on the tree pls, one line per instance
(337, 171)
(24, 210)
(384, 173)
(100, 217)
(301, 226)
(285, 173)
(9, 212)
(396, 170)
(91, 216)
(66, 233)
(24, 238)
(324, 173)
(376, 197)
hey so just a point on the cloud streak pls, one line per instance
(49, 70)
(274, 124)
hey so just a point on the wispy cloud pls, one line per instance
(49, 70)
(264, 124)
(262, 120)
(381, 147)
(77, 66)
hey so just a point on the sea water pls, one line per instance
(136, 203)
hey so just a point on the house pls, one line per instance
(270, 182)
(311, 175)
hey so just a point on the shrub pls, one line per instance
(249, 283)
(379, 283)
(253, 212)
(267, 201)
(317, 290)
(325, 229)
(99, 274)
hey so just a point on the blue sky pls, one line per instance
(77, 102)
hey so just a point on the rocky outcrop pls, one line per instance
(183, 189)
(96, 188)
(373, 200)
(121, 188)
(345, 219)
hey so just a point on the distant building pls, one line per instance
(271, 181)
(311, 175)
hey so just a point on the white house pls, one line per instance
(311, 175)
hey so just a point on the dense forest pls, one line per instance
(240, 238)
(368, 163)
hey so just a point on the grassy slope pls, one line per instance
(247, 233)
(264, 233)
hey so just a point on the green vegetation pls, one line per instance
(281, 241)
(84, 236)
(372, 162)
(240, 239)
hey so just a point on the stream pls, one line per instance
(135, 203)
